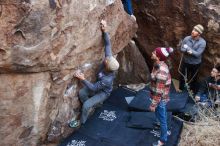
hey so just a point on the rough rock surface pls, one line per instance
(36, 38)
(133, 68)
(167, 22)
(41, 45)
(24, 108)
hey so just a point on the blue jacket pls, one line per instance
(104, 80)
(197, 46)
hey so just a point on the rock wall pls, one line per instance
(41, 44)
(133, 68)
(24, 108)
(36, 38)
(167, 22)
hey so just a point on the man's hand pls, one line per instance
(214, 86)
(133, 17)
(197, 98)
(189, 51)
(103, 24)
(152, 108)
(79, 75)
(185, 46)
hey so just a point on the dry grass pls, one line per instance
(205, 132)
(196, 135)
(206, 129)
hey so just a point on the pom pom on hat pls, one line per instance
(163, 53)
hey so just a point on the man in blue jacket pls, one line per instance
(192, 47)
(100, 90)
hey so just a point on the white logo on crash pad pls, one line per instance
(77, 143)
(155, 133)
(108, 115)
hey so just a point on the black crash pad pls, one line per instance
(103, 120)
(108, 126)
(153, 135)
(142, 101)
(177, 101)
(123, 136)
(145, 120)
(79, 139)
(118, 95)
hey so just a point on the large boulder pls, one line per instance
(133, 68)
(36, 38)
(42, 43)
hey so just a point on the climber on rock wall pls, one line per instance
(93, 94)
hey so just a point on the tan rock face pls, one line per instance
(24, 113)
(37, 38)
(41, 45)
(167, 22)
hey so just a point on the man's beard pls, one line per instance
(194, 36)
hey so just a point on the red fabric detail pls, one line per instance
(160, 54)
